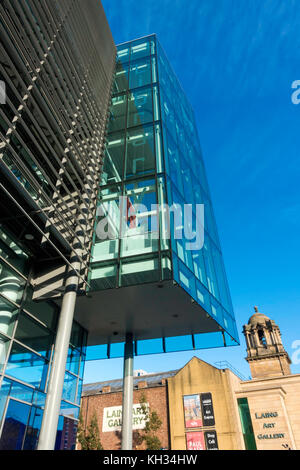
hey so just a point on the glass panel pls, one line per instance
(139, 271)
(77, 336)
(4, 394)
(121, 78)
(79, 390)
(140, 232)
(246, 423)
(21, 392)
(113, 160)
(11, 284)
(209, 340)
(13, 253)
(118, 113)
(140, 107)
(123, 54)
(166, 267)
(140, 154)
(33, 429)
(46, 312)
(140, 73)
(68, 410)
(4, 346)
(34, 335)
(103, 276)
(73, 360)
(27, 366)
(14, 426)
(179, 343)
(66, 434)
(140, 49)
(150, 346)
(158, 149)
(69, 390)
(8, 315)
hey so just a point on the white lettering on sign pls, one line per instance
(112, 418)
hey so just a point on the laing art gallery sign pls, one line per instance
(112, 418)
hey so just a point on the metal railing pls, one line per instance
(227, 365)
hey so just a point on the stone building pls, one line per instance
(207, 407)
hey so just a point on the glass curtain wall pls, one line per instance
(153, 157)
(27, 335)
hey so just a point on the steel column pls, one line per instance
(127, 404)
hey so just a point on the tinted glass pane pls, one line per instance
(33, 335)
(4, 345)
(140, 49)
(140, 107)
(8, 314)
(140, 155)
(140, 73)
(121, 78)
(73, 360)
(69, 390)
(46, 312)
(113, 160)
(33, 429)
(118, 113)
(11, 284)
(27, 366)
(13, 253)
(14, 426)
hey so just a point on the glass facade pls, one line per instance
(153, 159)
(27, 335)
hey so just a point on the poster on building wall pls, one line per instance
(112, 418)
(195, 441)
(207, 409)
(192, 411)
(211, 440)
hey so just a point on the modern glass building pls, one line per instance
(91, 145)
(148, 279)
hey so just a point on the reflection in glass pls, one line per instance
(14, 428)
(27, 366)
(8, 315)
(34, 335)
(140, 156)
(140, 73)
(11, 284)
(113, 159)
(140, 107)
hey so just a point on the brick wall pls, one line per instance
(155, 396)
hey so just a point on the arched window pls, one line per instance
(262, 338)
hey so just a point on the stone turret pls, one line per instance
(265, 352)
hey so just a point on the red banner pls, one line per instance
(195, 441)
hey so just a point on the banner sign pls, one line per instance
(211, 440)
(192, 411)
(207, 409)
(195, 441)
(112, 418)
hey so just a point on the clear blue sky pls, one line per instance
(236, 60)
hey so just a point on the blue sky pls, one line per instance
(236, 60)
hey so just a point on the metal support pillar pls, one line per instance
(48, 432)
(127, 394)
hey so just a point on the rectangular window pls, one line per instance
(140, 108)
(27, 366)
